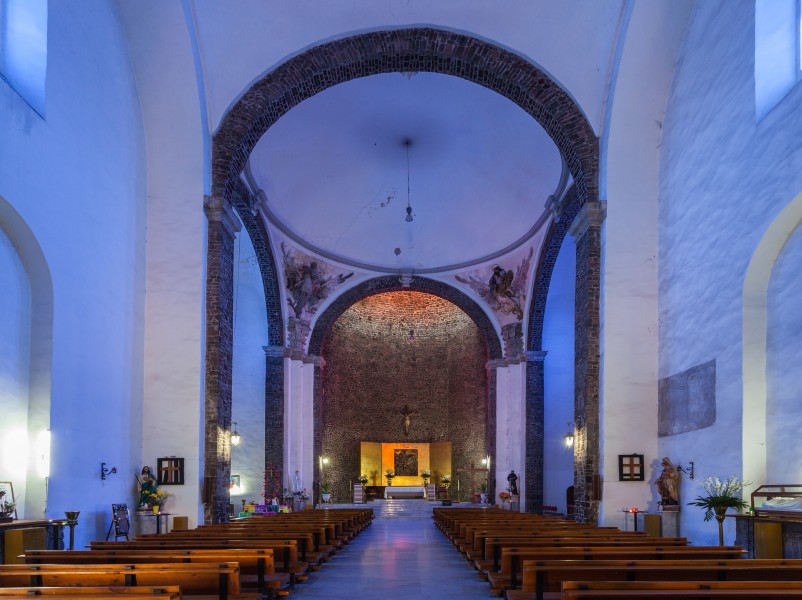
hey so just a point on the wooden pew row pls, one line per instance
(512, 558)
(256, 565)
(286, 549)
(219, 579)
(544, 577)
(475, 536)
(169, 592)
(762, 590)
(493, 546)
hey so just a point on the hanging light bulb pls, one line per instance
(236, 438)
(409, 207)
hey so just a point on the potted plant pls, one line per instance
(483, 492)
(363, 479)
(719, 496)
(325, 492)
(390, 474)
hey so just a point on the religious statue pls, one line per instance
(147, 486)
(513, 480)
(406, 412)
(297, 483)
(668, 484)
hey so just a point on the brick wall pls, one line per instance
(399, 348)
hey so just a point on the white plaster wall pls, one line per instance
(248, 406)
(723, 180)
(510, 428)
(558, 341)
(15, 331)
(163, 64)
(269, 33)
(77, 180)
(784, 363)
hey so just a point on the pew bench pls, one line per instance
(544, 578)
(512, 557)
(762, 590)
(218, 580)
(167, 592)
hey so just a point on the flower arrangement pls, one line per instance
(445, 480)
(389, 474)
(483, 487)
(719, 496)
(303, 495)
(325, 488)
(504, 495)
(363, 479)
(6, 508)
(426, 474)
(156, 497)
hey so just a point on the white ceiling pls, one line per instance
(334, 170)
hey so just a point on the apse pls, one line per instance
(400, 352)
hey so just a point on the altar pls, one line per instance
(404, 491)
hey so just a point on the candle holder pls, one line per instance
(72, 521)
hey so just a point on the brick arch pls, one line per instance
(392, 283)
(380, 285)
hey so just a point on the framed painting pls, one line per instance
(170, 471)
(630, 467)
(405, 462)
(7, 496)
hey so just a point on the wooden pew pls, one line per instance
(494, 545)
(610, 590)
(255, 564)
(221, 579)
(543, 577)
(512, 557)
(286, 549)
(167, 592)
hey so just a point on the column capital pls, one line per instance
(536, 355)
(592, 214)
(274, 351)
(219, 210)
(497, 363)
(312, 359)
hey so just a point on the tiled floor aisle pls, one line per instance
(397, 558)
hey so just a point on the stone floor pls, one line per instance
(401, 556)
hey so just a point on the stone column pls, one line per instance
(586, 230)
(535, 415)
(299, 429)
(510, 424)
(274, 406)
(223, 226)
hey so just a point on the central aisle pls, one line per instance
(398, 557)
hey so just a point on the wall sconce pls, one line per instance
(104, 471)
(486, 462)
(568, 438)
(236, 438)
(687, 470)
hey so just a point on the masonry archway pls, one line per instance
(412, 49)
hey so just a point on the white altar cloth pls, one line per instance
(404, 491)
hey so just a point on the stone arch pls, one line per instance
(409, 49)
(385, 284)
(755, 324)
(41, 336)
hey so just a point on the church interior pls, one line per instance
(320, 242)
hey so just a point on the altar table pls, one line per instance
(404, 491)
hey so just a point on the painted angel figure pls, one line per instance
(505, 292)
(307, 284)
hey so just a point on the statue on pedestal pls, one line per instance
(668, 484)
(512, 478)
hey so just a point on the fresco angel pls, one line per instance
(505, 291)
(307, 284)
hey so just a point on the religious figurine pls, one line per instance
(297, 483)
(147, 486)
(668, 484)
(513, 480)
(406, 412)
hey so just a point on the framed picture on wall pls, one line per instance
(170, 471)
(630, 467)
(8, 502)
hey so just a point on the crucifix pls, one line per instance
(473, 471)
(407, 412)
